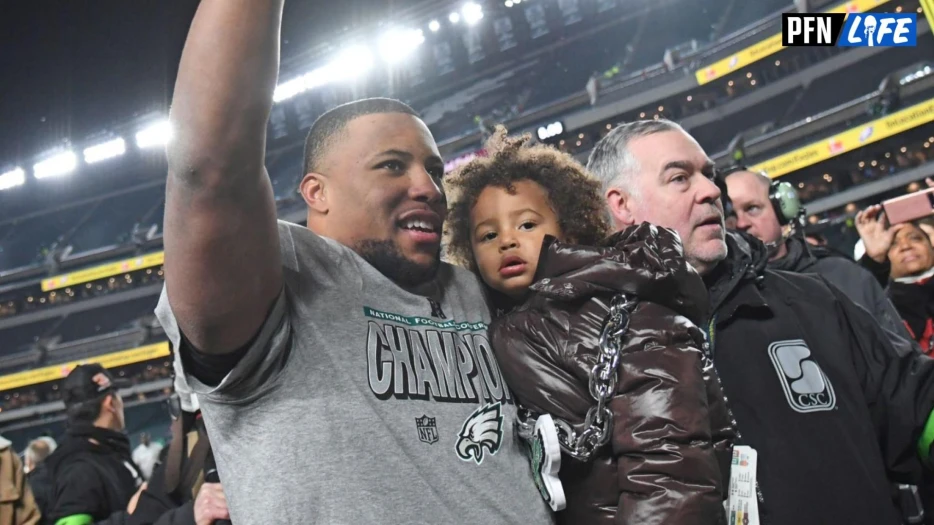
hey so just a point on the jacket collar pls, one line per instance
(642, 261)
(736, 283)
(798, 259)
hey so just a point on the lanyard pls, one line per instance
(711, 334)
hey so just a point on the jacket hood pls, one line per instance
(644, 260)
(77, 441)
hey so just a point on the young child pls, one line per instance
(597, 339)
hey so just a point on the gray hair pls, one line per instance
(612, 163)
(39, 449)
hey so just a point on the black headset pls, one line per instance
(782, 196)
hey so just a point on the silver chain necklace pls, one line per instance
(581, 442)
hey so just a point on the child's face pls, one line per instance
(506, 235)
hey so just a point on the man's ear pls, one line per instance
(314, 190)
(107, 406)
(619, 204)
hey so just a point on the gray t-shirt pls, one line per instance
(360, 402)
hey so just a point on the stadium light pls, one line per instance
(351, 63)
(56, 166)
(508, 3)
(13, 178)
(106, 150)
(397, 44)
(472, 12)
(157, 134)
(434, 26)
(454, 18)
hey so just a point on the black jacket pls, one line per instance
(915, 303)
(850, 278)
(818, 390)
(91, 478)
(40, 481)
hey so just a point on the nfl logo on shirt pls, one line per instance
(849, 30)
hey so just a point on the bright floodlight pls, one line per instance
(472, 12)
(157, 134)
(454, 18)
(13, 178)
(351, 63)
(60, 164)
(289, 89)
(434, 26)
(508, 3)
(106, 150)
(397, 44)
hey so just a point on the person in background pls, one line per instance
(17, 504)
(37, 471)
(876, 235)
(911, 287)
(92, 471)
(146, 454)
(530, 221)
(770, 211)
(831, 409)
(182, 490)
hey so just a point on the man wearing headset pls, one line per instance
(771, 212)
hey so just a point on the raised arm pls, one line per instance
(222, 260)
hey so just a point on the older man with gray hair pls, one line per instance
(829, 410)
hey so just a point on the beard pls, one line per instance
(388, 259)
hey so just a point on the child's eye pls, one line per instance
(488, 236)
(528, 225)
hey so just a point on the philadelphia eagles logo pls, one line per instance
(483, 429)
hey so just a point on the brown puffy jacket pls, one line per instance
(667, 461)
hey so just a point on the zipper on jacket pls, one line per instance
(709, 348)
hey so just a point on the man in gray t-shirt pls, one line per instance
(360, 402)
(344, 372)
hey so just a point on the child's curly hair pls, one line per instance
(573, 194)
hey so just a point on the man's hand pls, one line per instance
(870, 223)
(211, 504)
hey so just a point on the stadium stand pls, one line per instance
(79, 279)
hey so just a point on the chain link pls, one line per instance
(581, 443)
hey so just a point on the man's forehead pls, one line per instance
(383, 131)
(747, 185)
(661, 148)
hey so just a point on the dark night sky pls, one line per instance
(69, 68)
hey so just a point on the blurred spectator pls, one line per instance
(181, 492)
(912, 289)
(877, 237)
(37, 472)
(773, 219)
(92, 469)
(146, 454)
(17, 504)
(815, 239)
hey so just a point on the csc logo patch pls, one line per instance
(806, 386)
